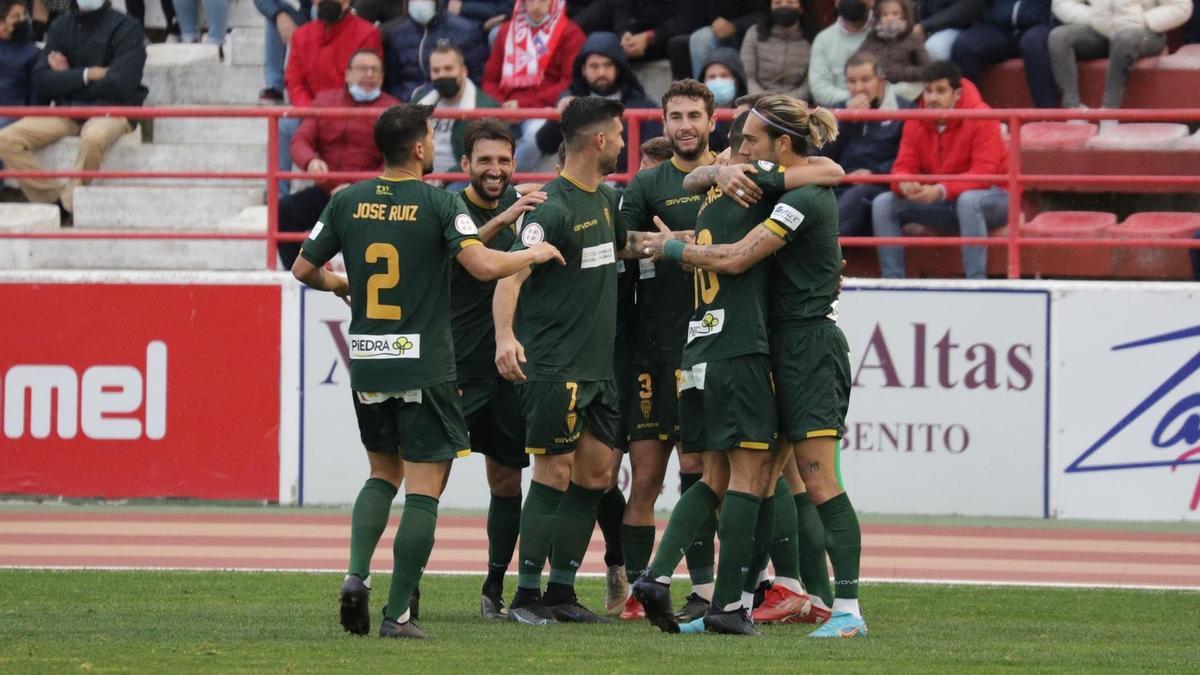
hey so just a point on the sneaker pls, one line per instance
(531, 613)
(760, 592)
(841, 625)
(390, 628)
(414, 603)
(655, 598)
(693, 608)
(734, 622)
(270, 96)
(355, 595)
(633, 610)
(616, 589)
(573, 612)
(781, 605)
(491, 604)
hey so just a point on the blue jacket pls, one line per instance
(869, 145)
(409, 45)
(482, 10)
(16, 72)
(1017, 14)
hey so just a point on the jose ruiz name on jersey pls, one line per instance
(392, 212)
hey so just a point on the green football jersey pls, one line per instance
(397, 238)
(471, 299)
(730, 311)
(664, 290)
(627, 278)
(566, 315)
(806, 271)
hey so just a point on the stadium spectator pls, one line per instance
(723, 75)
(953, 147)
(325, 144)
(379, 12)
(532, 65)
(865, 148)
(939, 23)
(591, 15)
(900, 51)
(600, 70)
(1122, 30)
(18, 54)
(410, 42)
(728, 22)
(1191, 34)
(654, 152)
(450, 89)
(775, 53)
(137, 9)
(1010, 28)
(94, 56)
(45, 12)
(282, 18)
(320, 49)
(489, 14)
(646, 28)
(833, 47)
(216, 13)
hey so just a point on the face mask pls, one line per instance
(890, 29)
(853, 11)
(786, 17)
(361, 95)
(447, 87)
(89, 5)
(329, 11)
(22, 32)
(422, 11)
(723, 90)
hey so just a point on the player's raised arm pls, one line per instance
(486, 264)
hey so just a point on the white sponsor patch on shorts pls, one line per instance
(597, 256)
(464, 225)
(372, 397)
(385, 346)
(532, 234)
(693, 378)
(316, 230)
(711, 323)
(787, 216)
(646, 269)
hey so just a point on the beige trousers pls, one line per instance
(19, 140)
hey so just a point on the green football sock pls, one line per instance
(410, 552)
(609, 514)
(695, 506)
(843, 540)
(764, 538)
(638, 541)
(810, 540)
(368, 520)
(739, 517)
(537, 533)
(572, 532)
(503, 525)
(785, 554)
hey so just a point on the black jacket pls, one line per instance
(667, 18)
(104, 37)
(935, 15)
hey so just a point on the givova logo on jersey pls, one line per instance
(385, 346)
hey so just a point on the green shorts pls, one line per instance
(728, 404)
(653, 408)
(557, 413)
(494, 420)
(623, 380)
(426, 425)
(811, 365)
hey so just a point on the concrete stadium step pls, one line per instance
(241, 13)
(133, 254)
(143, 207)
(226, 130)
(244, 46)
(20, 216)
(168, 55)
(165, 157)
(208, 84)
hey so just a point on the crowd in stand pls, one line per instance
(464, 54)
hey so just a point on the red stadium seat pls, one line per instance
(1139, 136)
(1154, 263)
(1067, 262)
(1056, 135)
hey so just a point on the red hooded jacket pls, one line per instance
(344, 143)
(319, 53)
(963, 146)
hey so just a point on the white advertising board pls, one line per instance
(948, 410)
(1127, 402)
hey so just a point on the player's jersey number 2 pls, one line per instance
(382, 281)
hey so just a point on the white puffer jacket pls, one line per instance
(1109, 16)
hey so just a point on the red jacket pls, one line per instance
(558, 73)
(964, 146)
(319, 53)
(345, 144)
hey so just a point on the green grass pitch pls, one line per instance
(83, 621)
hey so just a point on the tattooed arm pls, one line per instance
(734, 258)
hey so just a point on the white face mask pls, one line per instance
(422, 11)
(89, 5)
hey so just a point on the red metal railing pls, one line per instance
(1014, 180)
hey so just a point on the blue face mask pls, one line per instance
(361, 95)
(723, 90)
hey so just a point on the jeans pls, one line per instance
(984, 44)
(940, 43)
(298, 213)
(701, 43)
(973, 213)
(854, 208)
(275, 51)
(287, 129)
(1195, 253)
(188, 13)
(528, 155)
(1079, 41)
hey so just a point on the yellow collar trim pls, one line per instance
(711, 155)
(576, 183)
(396, 180)
(469, 193)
